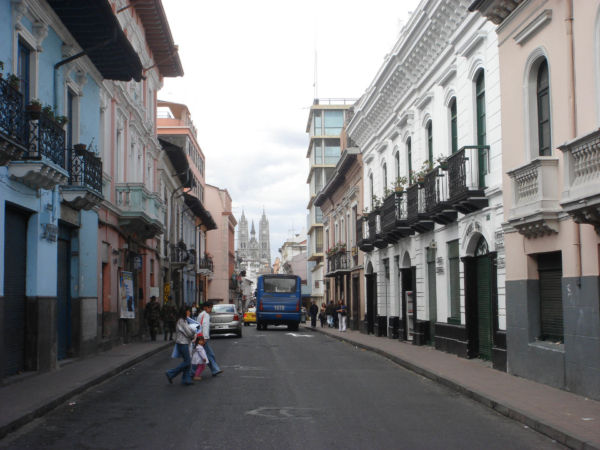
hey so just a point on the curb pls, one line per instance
(554, 432)
(50, 404)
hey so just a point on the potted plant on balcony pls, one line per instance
(387, 192)
(376, 205)
(62, 120)
(341, 246)
(14, 81)
(80, 149)
(48, 111)
(365, 214)
(34, 108)
(399, 183)
(442, 162)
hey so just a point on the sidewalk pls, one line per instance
(29, 399)
(557, 414)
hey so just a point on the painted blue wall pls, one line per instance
(6, 34)
(47, 59)
(89, 106)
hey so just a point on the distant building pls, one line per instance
(254, 253)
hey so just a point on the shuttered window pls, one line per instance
(431, 278)
(454, 269)
(551, 307)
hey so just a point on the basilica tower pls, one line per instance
(264, 239)
(243, 236)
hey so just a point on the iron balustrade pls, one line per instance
(372, 226)
(179, 254)
(85, 169)
(192, 254)
(401, 208)
(205, 263)
(46, 139)
(431, 193)
(464, 171)
(12, 116)
(412, 194)
(359, 230)
(339, 261)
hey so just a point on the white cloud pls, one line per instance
(249, 69)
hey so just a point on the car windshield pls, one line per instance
(280, 285)
(223, 309)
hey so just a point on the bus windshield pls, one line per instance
(280, 285)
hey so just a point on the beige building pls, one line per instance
(341, 202)
(550, 82)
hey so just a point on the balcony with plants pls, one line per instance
(416, 216)
(436, 194)
(42, 165)
(535, 201)
(339, 261)
(140, 210)
(466, 178)
(394, 213)
(376, 237)
(84, 188)
(205, 264)
(13, 137)
(581, 192)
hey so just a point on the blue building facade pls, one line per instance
(51, 176)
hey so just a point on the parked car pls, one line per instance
(249, 316)
(224, 319)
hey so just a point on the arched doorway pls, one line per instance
(407, 282)
(371, 300)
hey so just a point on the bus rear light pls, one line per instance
(261, 306)
(298, 306)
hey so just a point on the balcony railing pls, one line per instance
(465, 182)
(362, 235)
(395, 214)
(46, 139)
(140, 209)
(339, 262)
(85, 169)
(534, 209)
(416, 217)
(581, 193)
(435, 196)
(12, 116)
(205, 264)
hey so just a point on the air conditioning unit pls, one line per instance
(433, 244)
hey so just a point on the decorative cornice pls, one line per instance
(447, 75)
(533, 27)
(423, 100)
(474, 41)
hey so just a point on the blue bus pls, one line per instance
(278, 301)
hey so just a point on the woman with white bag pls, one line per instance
(185, 335)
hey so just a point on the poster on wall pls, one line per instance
(126, 295)
(155, 291)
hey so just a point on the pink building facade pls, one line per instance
(221, 246)
(549, 72)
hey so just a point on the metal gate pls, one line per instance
(551, 305)
(62, 293)
(484, 306)
(15, 273)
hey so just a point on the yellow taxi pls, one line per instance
(249, 316)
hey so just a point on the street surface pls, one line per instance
(278, 390)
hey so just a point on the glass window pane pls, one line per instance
(334, 121)
(328, 174)
(332, 151)
(318, 215)
(317, 128)
(318, 151)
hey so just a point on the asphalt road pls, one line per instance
(278, 391)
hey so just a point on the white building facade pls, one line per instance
(434, 253)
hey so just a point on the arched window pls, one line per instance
(454, 125)
(430, 143)
(543, 109)
(481, 127)
(409, 156)
(384, 169)
(398, 163)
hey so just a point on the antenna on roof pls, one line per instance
(315, 83)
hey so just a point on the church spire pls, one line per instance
(253, 231)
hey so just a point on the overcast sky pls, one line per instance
(249, 72)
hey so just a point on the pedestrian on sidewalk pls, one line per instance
(322, 315)
(342, 312)
(168, 314)
(204, 319)
(152, 315)
(199, 359)
(184, 336)
(329, 310)
(314, 311)
(194, 311)
(336, 316)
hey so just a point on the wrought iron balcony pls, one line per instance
(416, 217)
(180, 256)
(435, 196)
(375, 234)
(42, 166)
(535, 207)
(339, 263)
(395, 225)
(362, 235)
(581, 192)
(140, 210)
(205, 265)
(466, 193)
(13, 137)
(84, 190)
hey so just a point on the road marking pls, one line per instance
(238, 367)
(252, 377)
(284, 413)
(299, 335)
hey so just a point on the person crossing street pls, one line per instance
(204, 319)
